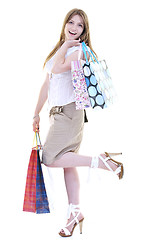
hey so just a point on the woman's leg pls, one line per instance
(72, 160)
(69, 162)
(72, 187)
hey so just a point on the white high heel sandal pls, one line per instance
(75, 211)
(119, 171)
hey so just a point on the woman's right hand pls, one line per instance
(71, 43)
(36, 121)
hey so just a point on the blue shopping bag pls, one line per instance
(35, 199)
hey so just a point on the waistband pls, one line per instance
(56, 109)
(59, 109)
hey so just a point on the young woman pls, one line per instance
(66, 130)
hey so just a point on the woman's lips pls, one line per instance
(72, 33)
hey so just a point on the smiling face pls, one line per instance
(74, 28)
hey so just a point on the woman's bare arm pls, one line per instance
(40, 103)
(62, 64)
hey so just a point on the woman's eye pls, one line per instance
(70, 22)
(80, 25)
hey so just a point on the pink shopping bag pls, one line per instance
(79, 84)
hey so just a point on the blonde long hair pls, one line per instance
(85, 36)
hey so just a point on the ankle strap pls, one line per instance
(94, 162)
(72, 209)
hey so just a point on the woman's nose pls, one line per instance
(74, 28)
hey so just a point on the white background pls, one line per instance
(121, 32)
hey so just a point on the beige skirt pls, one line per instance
(65, 133)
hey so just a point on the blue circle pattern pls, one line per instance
(87, 82)
(92, 91)
(96, 97)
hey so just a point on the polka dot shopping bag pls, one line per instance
(99, 84)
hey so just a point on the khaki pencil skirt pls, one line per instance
(65, 133)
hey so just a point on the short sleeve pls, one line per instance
(48, 66)
(72, 50)
(49, 63)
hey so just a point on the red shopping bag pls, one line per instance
(35, 199)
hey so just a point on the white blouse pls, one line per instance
(61, 87)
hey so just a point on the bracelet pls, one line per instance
(36, 116)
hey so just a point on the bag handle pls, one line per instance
(84, 49)
(91, 54)
(37, 141)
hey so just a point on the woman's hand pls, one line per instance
(71, 43)
(36, 121)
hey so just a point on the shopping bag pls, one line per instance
(82, 100)
(99, 83)
(35, 198)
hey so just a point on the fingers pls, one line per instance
(36, 129)
(71, 43)
(36, 120)
(35, 126)
(77, 42)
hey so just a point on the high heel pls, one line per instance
(120, 169)
(112, 154)
(81, 225)
(73, 209)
